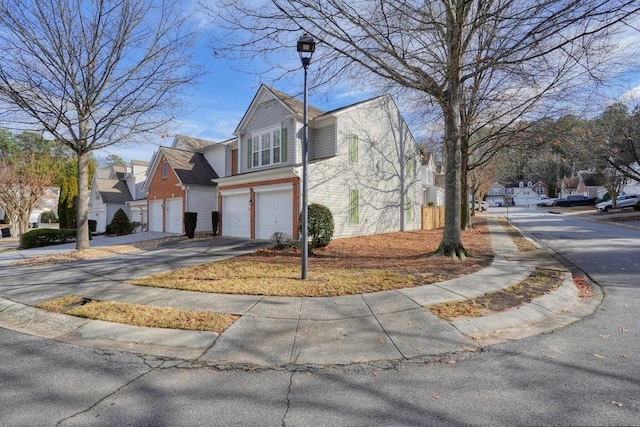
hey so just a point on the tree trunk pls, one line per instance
(451, 244)
(466, 210)
(82, 228)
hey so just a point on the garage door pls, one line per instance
(274, 213)
(174, 215)
(235, 215)
(155, 216)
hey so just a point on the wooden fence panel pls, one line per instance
(432, 217)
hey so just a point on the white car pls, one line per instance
(481, 205)
(623, 201)
(545, 201)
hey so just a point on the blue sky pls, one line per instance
(220, 99)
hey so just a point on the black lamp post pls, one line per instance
(306, 46)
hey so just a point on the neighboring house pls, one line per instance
(584, 183)
(180, 179)
(432, 188)
(519, 193)
(363, 165)
(48, 202)
(117, 187)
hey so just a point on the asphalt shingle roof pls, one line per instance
(191, 168)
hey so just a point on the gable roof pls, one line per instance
(113, 191)
(191, 168)
(292, 104)
(190, 143)
(295, 104)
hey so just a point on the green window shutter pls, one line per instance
(409, 168)
(408, 210)
(354, 216)
(353, 148)
(249, 154)
(283, 145)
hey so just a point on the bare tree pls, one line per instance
(93, 73)
(27, 167)
(478, 61)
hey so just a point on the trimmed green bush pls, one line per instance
(320, 225)
(190, 219)
(46, 236)
(120, 224)
(215, 218)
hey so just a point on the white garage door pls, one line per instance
(235, 215)
(274, 212)
(155, 215)
(174, 215)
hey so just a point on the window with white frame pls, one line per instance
(265, 148)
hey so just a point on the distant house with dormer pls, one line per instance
(518, 193)
(118, 187)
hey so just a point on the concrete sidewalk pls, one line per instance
(281, 331)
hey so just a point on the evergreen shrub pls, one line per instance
(46, 236)
(120, 224)
(320, 225)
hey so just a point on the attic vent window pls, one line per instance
(165, 169)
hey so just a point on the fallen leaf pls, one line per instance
(605, 336)
(597, 356)
(375, 374)
(624, 329)
(550, 357)
(624, 355)
(435, 396)
(451, 362)
(616, 403)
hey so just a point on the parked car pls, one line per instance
(497, 203)
(545, 201)
(481, 205)
(575, 200)
(622, 201)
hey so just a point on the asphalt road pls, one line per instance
(585, 374)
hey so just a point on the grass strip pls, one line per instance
(521, 242)
(140, 315)
(540, 282)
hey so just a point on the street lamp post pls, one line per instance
(306, 46)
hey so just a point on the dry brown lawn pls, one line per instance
(347, 266)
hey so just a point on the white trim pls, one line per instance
(234, 191)
(274, 187)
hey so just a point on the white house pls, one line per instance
(118, 187)
(363, 165)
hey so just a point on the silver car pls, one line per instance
(622, 201)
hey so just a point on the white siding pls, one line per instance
(203, 201)
(323, 143)
(382, 134)
(217, 157)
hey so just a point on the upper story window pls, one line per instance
(265, 148)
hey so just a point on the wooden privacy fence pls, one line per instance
(432, 217)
